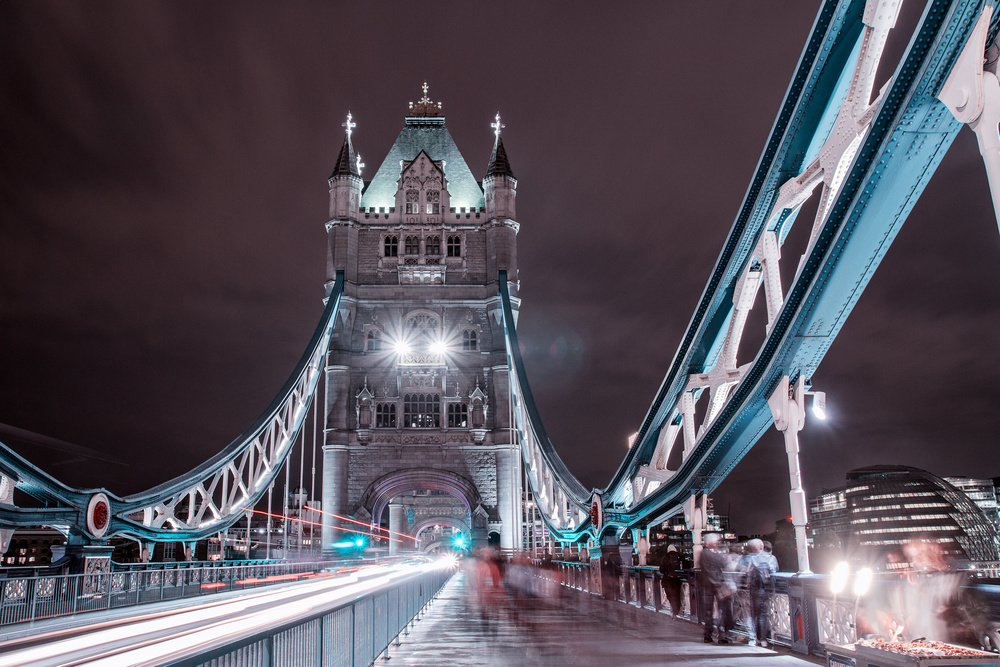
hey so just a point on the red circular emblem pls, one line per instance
(100, 515)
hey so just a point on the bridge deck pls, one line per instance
(571, 628)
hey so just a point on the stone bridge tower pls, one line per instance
(418, 425)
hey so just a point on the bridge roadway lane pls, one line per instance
(574, 628)
(153, 635)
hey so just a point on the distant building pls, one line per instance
(980, 491)
(33, 547)
(883, 508)
(675, 532)
(829, 524)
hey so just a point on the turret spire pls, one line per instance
(499, 165)
(347, 163)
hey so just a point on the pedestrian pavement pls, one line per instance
(568, 627)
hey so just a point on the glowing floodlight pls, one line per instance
(819, 404)
(439, 347)
(402, 347)
(863, 581)
(838, 578)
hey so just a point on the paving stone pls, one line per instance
(573, 628)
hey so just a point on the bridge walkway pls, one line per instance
(567, 627)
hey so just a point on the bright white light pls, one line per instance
(863, 581)
(819, 404)
(838, 578)
(402, 347)
(439, 347)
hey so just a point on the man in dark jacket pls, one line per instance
(670, 569)
(715, 590)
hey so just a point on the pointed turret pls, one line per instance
(499, 165)
(345, 202)
(499, 189)
(345, 181)
(346, 164)
(499, 186)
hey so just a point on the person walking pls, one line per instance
(670, 569)
(714, 589)
(758, 567)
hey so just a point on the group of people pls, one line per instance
(722, 572)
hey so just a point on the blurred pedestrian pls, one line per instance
(757, 567)
(611, 568)
(670, 569)
(715, 589)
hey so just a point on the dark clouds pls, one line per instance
(162, 193)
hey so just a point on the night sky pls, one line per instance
(163, 194)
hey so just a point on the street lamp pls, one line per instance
(819, 404)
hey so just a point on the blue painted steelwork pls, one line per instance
(907, 138)
(202, 502)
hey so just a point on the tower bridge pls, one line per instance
(428, 419)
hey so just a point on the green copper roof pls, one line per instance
(431, 136)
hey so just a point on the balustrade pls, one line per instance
(805, 615)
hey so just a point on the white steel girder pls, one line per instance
(829, 168)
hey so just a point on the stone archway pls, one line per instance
(378, 494)
(460, 526)
(429, 524)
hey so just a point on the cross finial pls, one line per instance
(425, 107)
(349, 125)
(497, 126)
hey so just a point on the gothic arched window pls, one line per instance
(412, 201)
(432, 245)
(385, 415)
(454, 246)
(433, 202)
(412, 246)
(469, 339)
(391, 246)
(374, 341)
(458, 415)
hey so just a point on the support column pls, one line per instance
(788, 408)
(509, 498)
(335, 461)
(694, 515)
(397, 525)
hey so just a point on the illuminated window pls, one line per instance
(469, 339)
(454, 246)
(391, 246)
(374, 341)
(412, 246)
(422, 411)
(412, 201)
(433, 202)
(458, 415)
(432, 245)
(385, 415)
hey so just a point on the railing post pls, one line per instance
(32, 589)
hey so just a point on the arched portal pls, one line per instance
(378, 494)
(420, 527)
(430, 536)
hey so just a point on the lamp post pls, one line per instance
(788, 409)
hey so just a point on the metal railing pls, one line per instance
(24, 599)
(353, 634)
(805, 615)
